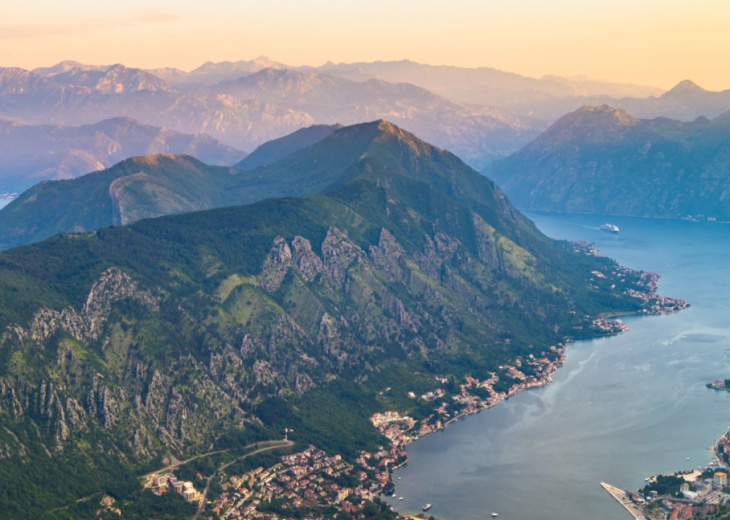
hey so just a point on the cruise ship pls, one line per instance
(611, 228)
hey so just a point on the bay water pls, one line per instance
(621, 409)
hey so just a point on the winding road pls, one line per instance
(273, 445)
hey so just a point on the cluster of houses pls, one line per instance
(698, 497)
(184, 489)
(402, 430)
(607, 326)
(313, 479)
(700, 494)
(661, 305)
(309, 478)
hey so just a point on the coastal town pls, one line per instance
(698, 493)
(314, 484)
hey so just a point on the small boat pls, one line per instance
(400, 498)
(611, 228)
(494, 515)
(427, 507)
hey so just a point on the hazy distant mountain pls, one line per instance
(277, 149)
(211, 73)
(31, 153)
(259, 107)
(546, 98)
(116, 79)
(79, 97)
(484, 85)
(686, 101)
(477, 134)
(66, 66)
(604, 160)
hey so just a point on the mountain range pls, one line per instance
(32, 153)
(479, 114)
(257, 107)
(210, 330)
(159, 185)
(605, 160)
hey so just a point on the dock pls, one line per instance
(623, 498)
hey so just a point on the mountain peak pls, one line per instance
(684, 89)
(686, 86)
(603, 116)
(118, 79)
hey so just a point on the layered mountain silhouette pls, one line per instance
(31, 153)
(277, 149)
(479, 114)
(159, 185)
(605, 160)
(256, 107)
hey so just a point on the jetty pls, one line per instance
(623, 498)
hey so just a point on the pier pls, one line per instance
(623, 498)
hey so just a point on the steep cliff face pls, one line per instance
(75, 371)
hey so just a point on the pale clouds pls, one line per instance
(85, 25)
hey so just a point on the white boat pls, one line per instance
(611, 228)
(494, 515)
(400, 498)
(427, 507)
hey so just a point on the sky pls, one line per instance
(648, 42)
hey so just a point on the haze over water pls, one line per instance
(621, 409)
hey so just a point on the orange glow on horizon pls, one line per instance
(649, 42)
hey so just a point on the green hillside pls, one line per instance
(178, 335)
(152, 186)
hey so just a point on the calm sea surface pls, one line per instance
(621, 409)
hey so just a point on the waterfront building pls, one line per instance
(720, 479)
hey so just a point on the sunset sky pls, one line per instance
(651, 42)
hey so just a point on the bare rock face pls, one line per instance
(102, 403)
(276, 266)
(338, 255)
(386, 256)
(308, 263)
(137, 398)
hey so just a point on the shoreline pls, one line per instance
(544, 380)
(685, 219)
